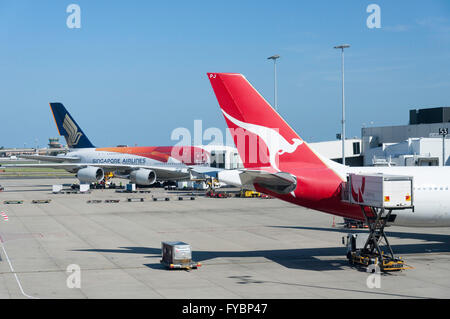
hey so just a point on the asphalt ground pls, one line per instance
(248, 248)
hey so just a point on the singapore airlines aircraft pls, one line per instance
(142, 165)
(287, 168)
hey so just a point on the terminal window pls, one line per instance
(356, 148)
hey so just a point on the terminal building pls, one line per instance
(54, 147)
(333, 151)
(420, 143)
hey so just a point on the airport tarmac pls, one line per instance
(249, 248)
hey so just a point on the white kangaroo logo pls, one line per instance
(276, 143)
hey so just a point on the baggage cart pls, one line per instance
(177, 255)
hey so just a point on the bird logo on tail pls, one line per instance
(72, 131)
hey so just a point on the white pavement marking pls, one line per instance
(15, 275)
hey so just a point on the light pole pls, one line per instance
(274, 58)
(444, 133)
(342, 47)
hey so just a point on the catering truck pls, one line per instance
(379, 194)
(380, 191)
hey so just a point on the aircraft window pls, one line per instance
(435, 188)
(446, 188)
(442, 188)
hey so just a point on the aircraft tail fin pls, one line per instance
(68, 128)
(260, 134)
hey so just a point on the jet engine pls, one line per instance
(90, 174)
(143, 176)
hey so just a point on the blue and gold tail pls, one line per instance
(68, 128)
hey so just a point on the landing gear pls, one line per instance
(367, 249)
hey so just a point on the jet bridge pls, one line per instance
(379, 194)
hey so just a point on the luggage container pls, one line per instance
(200, 185)
(84, 188)
(177, 255)
(131, 187)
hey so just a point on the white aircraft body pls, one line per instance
(141, 165)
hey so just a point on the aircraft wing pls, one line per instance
(279, 182)
(48, 158)
(161, 172)
(66, 166)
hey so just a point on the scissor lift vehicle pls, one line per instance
(378, 196)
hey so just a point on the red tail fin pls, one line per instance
(261, 136)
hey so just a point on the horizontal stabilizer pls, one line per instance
(206, 170)
(280, 182)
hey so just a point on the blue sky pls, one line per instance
(136, 70)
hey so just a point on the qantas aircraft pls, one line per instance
(279, 163)
(142, 165)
